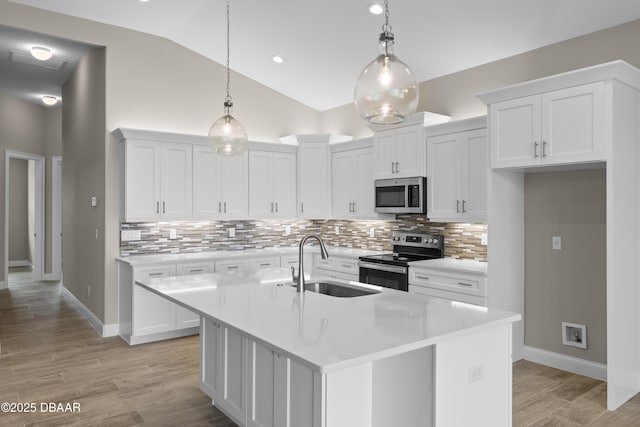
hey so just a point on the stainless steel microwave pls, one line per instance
(401, 195)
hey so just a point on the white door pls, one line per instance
(474, 174)
(142, 180)
(233, 185)
(314, 181)
(261, 175)
(176, 181)
(341, 183)
(384, 143)
(205, 203)
(444, 199)
(573, 124)
(284, 184)
(411, 151)
(515, 136)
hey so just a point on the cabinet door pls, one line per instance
(384, 143)
(261, 201)
(364, 197)
(341, 183)
(411, 151)
(515, 132)
(474, 174)
(284, 185)
(233, 185)
(314, 181)
(234, 373)
(142, 180)
(261, 386)
(210, 359)
(176, 181)
(152, 314)
(187, 318)
(443, 196)
(205, 201)
(573, 124)
(299, 385)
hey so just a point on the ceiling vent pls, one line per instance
(26, 58)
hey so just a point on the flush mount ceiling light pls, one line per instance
(49, 100)
(376, 8)
(227, 136)
(278, 59)
(386, 91)
(41, 53)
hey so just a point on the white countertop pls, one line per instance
(214, 255)
(325, 332)
(452, 264)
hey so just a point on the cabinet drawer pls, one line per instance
(195, 268)
(346, 265)
(323, 264)
(261, 263)
(147, 273)
(460, 283)
(235, 265)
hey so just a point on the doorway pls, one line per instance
(35, 212)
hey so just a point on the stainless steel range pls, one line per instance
(390, 270)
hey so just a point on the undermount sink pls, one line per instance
(337, 289)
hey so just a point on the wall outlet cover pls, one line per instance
(484, 239)
(232, 232)
(287, 230)
(556, 243)
(172, 233)
(574, 335)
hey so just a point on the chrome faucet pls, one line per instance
(323, 252)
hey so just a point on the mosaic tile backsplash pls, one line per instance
(461, 240)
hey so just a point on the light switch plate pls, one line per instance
(556, 243)
(232, 232)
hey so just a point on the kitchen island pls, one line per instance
(272, 356)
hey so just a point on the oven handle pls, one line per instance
(383, 267)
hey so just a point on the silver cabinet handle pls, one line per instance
(346, 265)
(231, 267)
(463, 208)
(535, 149)
(393, 167)
(422, 277)
(354, 206)
(163, 208)
(225, 207)
(156, 274)
(219, 207)
(544, 145)
(465, 284)
(271, 207)
(265, 264)
(302, 207)
(397, 167)
(157, 207)
(276, 207)
(195, 270)
(457, 206)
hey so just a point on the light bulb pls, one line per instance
(49, 100)
(227, 136)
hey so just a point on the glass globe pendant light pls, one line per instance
(227, 136)
(386, 91)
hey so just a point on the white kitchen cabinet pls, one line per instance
(205, 200)
(223, 361)
(464, 286)
(352, 185)
(157, 180)
(152, 314)
(272, 184)
(559, 127)
(314, 180)
(232, 186)
(400, 152)
(187, 318)
(256, 264)
(339, 267)
(457, 169)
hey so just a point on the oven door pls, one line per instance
(385, 275)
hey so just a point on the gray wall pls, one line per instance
(52, 147)
(18, 225)
(567, 285)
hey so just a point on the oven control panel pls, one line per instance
(402, 238)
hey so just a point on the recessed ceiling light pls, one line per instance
(49, 100)
(278, 59)
(41, 53)
(376, 8)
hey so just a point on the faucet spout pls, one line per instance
(323, 253)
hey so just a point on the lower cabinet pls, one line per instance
(344, 268)
(253, 383)
(152, 314)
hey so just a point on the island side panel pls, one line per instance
(473, 372)
(403, 389)
(348, 397)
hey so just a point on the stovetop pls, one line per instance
(409, 247)
(395, 259)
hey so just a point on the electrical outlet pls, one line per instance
(372, 232)
(337, 230)
(483, 239)
(172, 233)
(556, 243)
(96, 234)
(476, 373)
(232, 232)
(88, 290)
(94, 201)
(287, 230)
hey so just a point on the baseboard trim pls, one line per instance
(20, 263)
(566, 363)
(109, 330)
(2, 285)
(50, 277)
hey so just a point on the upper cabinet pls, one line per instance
(314, 177)
(352, 186)
(156, 180)
(400, 151)
(556, 127)
(272, 183)
(457, 168)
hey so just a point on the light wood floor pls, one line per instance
(48, 353)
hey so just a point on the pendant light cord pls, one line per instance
(386, 27)
(228, 97)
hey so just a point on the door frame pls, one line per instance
(56, 220)
(39, 168)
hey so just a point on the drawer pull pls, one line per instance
(265, 264)
(422, 277)
(231, 267)
(346, 265)
(464, 284)
(156, 274)
(196, 270)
